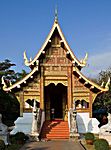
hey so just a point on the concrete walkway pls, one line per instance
(53, 145)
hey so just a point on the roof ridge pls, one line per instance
(23, 80)
(90, 81)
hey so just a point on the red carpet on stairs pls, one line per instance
(55, 130)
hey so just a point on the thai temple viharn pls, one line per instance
(56, 86)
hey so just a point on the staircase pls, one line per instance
(55, 130)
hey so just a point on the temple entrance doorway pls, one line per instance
(55, 101)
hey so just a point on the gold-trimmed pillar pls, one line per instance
(42, 89)
(90, 104)
(69, 87)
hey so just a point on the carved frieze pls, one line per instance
(55, 51)
(47, 82)
(47, 68)
(63, 68)
(81, 89)
(81, 98)
(81, 94)
(31, 97)
(61, 60)
(55, 68)
(31, 93)
(50, 60)
(56, 73)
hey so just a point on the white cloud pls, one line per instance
(96, 63)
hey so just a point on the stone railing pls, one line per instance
(38, 120)
(72, 123)
(42, 120)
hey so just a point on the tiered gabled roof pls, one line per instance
(34, 64)
(63, 40)
(90, 84)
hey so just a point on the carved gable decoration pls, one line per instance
(55, 53)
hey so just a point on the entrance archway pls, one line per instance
(55, 101)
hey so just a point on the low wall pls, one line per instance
(86, 124)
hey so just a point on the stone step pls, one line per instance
(57, 135)
(55, 130)
(62, 137)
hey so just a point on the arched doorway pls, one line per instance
(55, 100)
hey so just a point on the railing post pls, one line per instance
(73, 124)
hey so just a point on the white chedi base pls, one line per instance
(23, 124)
(87, 124)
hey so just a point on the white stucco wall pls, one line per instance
(86, 124)
(23, 124)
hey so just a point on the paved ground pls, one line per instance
(53, 145)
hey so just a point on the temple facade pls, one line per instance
(55, 80)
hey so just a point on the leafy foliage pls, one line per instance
(101, 144)
(9, 107)
(9, 74)
(89, 136)
(2, 145)
(20, 75)
(103, 101)
(5, 69)
(20, 136)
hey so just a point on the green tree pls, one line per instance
(9, 74)
(20, 75)
(9, 105)
(103, 100)
(5, 69)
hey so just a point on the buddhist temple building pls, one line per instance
(55, 80)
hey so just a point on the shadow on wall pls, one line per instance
(80, 124)
(86, 124)
(90, 126)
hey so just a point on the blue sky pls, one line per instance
(86, 24)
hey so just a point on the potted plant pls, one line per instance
(20, 137)
(89, 137)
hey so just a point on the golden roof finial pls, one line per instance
(56, 14)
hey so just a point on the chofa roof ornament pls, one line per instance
(84, 61)
(26, 61)
(102, 84)
(3, 83)
(107, 84)
(10, 83)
